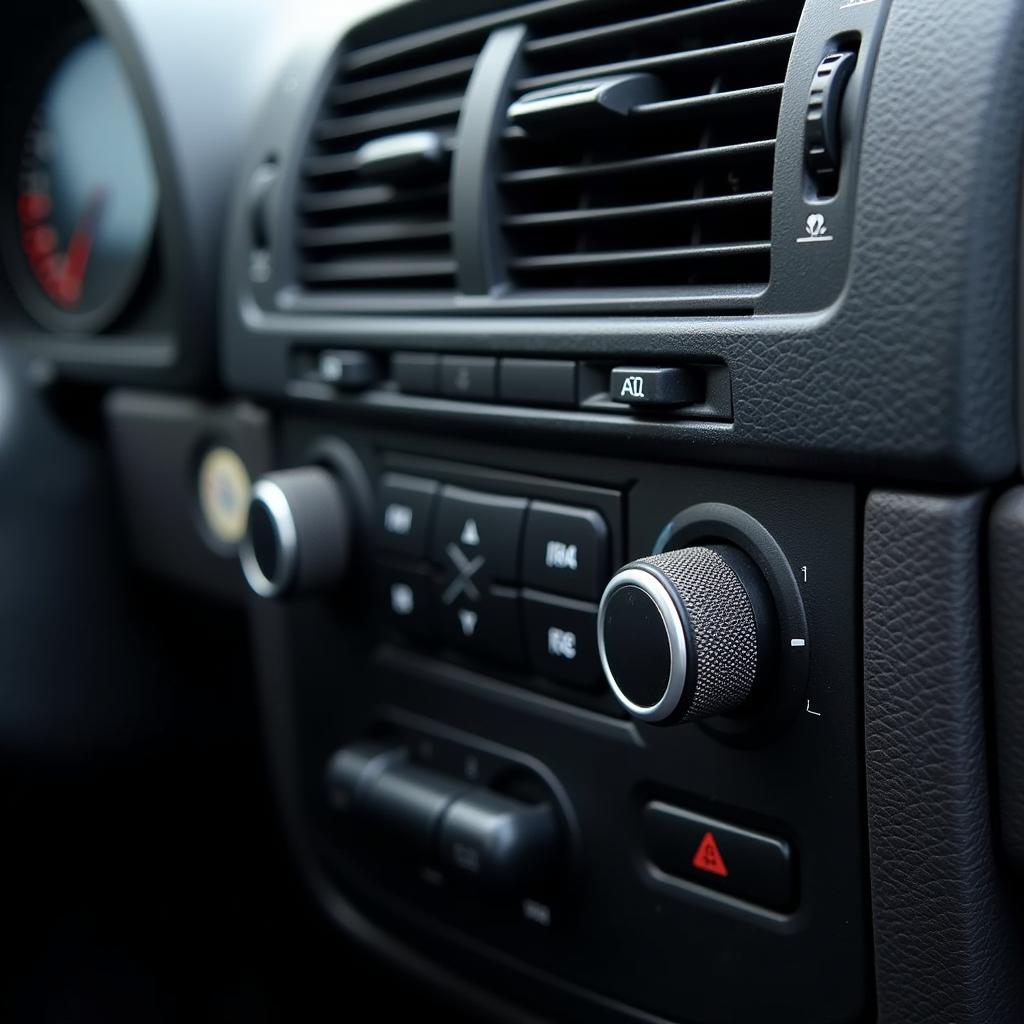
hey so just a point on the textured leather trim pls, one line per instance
(1006, 580)
(944, 938)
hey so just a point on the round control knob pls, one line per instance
(687, 634)
(299, 535)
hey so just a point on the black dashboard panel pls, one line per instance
(803, 385)
(609, 920)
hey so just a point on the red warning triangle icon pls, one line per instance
(709, 858)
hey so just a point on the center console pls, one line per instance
(487, 759)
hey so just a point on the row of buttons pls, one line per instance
(549, 382)
(555, 637)
(486, 379)
(487, 546)
(559, 383)
(483, 538)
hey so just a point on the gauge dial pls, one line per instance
(86, 193)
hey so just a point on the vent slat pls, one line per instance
(700, 104)
(335, 165)
(370, 270)
(663, 62)
(688, 16)
(369, 199)
(457, 70)
(471, 30)
(570, 172)
(330, 166)
(412, 115)
(582, 260)
(558, 218)
(373, 233)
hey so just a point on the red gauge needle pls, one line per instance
(76, 259)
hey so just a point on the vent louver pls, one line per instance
(373, 199)
(675, 192)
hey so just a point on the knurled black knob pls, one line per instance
(687, 634)
(299, 535)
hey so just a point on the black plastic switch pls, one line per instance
(748, 865)
(408, 600)
(383, 788)
(565, 550)
(823, 138)
(538, 382)
(405, 506)
(476, 539)
(487, 626)
(480, 835)
(561, 638)
(347, 369)
(497, 842)
(350, 766)
(474, 378)
(416, 373)
(657, 387)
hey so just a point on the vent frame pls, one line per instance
(739, 296)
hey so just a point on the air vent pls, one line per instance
(665, 178)
(373, 201)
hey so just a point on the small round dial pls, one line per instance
(687, 634)
(299, 534)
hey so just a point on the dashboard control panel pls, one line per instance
(500, 833)
(500, 577)
(482, 691)
(694, 390)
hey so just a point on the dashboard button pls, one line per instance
(476, 540)
(492, 840)
(416, 373)
(748, 865)
(407, 600)
(565, 550)
(488, 626)
(469, 377)
(561, 638)
(298, 538)
(405, 504)
(660, 386)
(347, 369)
(538, 382)
(405, 802)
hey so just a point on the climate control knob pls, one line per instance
(687, 634)
(299, 535)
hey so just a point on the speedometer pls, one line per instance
(86, 193)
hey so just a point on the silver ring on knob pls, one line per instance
(675, 633)
(273, 499)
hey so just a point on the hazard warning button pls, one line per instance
(747, 865)
(709, 858)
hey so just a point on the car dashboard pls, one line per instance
(586, 434)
